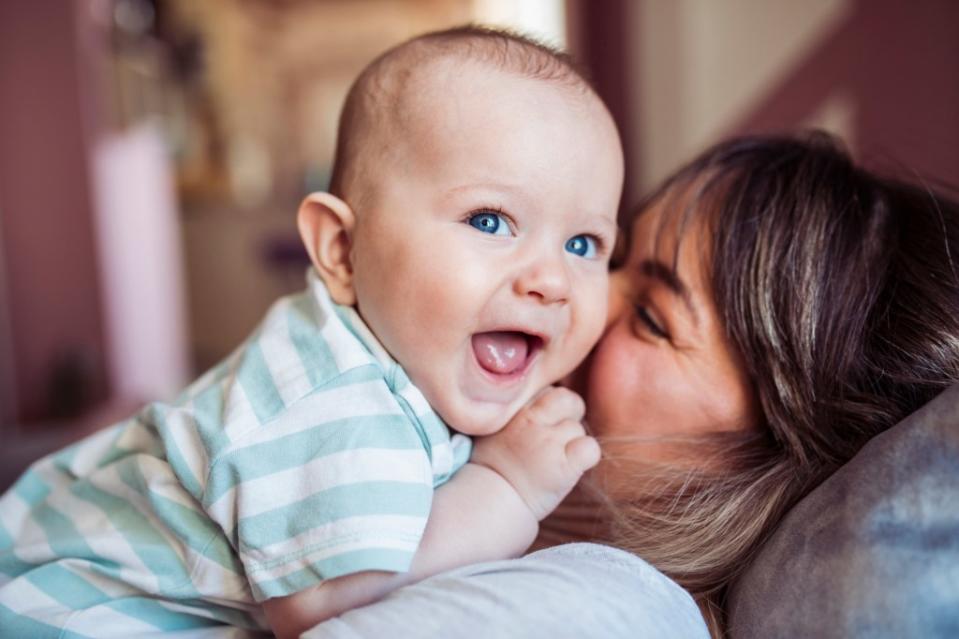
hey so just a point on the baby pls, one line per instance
(460, 266)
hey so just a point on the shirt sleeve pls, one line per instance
(576, 590)
(337, 483)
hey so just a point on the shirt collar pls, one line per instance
(352, 320)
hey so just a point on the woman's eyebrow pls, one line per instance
(659, 271)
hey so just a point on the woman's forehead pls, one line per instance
(671, 228)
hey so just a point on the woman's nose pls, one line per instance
(546, 279)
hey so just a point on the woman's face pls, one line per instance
(664, 367)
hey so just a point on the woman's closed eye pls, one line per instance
(490, 222)
(650, 323)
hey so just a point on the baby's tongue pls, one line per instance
(500, 352)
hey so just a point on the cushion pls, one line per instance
(874, 550)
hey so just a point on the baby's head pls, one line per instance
(471, 216)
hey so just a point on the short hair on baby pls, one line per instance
(377, 98)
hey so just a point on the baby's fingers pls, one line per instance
(555, 403)
(582, 453)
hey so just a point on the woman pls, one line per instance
(778, 307)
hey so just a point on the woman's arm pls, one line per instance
(489, 510)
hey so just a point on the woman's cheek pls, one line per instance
(616, 388)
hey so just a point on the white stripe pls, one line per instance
(354, 466)
(442, 459)
(32, 545)
(180, 426)
(415, 399)
(347, 354)
(23, 598)
(215, 583)
(104, 622)
(114, 588)
(207, 576)
(356, 533)
(137, 436)
(91, 450)
(110, 482)
(363, 399)
(283, 360)
(13, 511)
(103, 538)
(238, 415)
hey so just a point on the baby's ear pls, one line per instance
(326, 226)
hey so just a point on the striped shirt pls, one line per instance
(307, 454)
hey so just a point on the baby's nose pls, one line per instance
(546, 279)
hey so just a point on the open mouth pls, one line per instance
(506, 353)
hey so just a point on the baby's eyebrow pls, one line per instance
(662, 273)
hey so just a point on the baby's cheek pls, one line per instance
(594, 318)
(583, 336)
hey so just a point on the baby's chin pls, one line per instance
(477, 419)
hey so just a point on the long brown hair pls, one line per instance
(840, 290)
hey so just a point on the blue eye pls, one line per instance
(581, 245)
(489, 222)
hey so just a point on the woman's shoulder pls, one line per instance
(573, 590)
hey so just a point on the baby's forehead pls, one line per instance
(421, 112)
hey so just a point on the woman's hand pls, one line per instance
(543, 451)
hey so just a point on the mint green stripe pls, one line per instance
(187, 524)
(116, 453)
(10, 564)
(164, 561)
(343, 564)
(172, 452)
(30, 488)
(208, 415)
(347, 317)
(66, 587)
(192, 527)
(61, 535)
(358, 375)
(436, 430)
(14, 625)
(259, 460)
(65, 457)
(145, 541)
(352, 500)
(150, 611)
(257, 382)
(315, 354)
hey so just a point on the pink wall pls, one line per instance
(45, 210)
(899, 64)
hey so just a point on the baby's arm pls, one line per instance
(490, 509)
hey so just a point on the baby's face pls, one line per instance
(480, 258)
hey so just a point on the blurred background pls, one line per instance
(153, 152)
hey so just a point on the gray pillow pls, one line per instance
(874, 550)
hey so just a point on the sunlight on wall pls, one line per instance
(702, 65)
(542, 19)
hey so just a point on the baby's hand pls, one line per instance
(543, 450)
